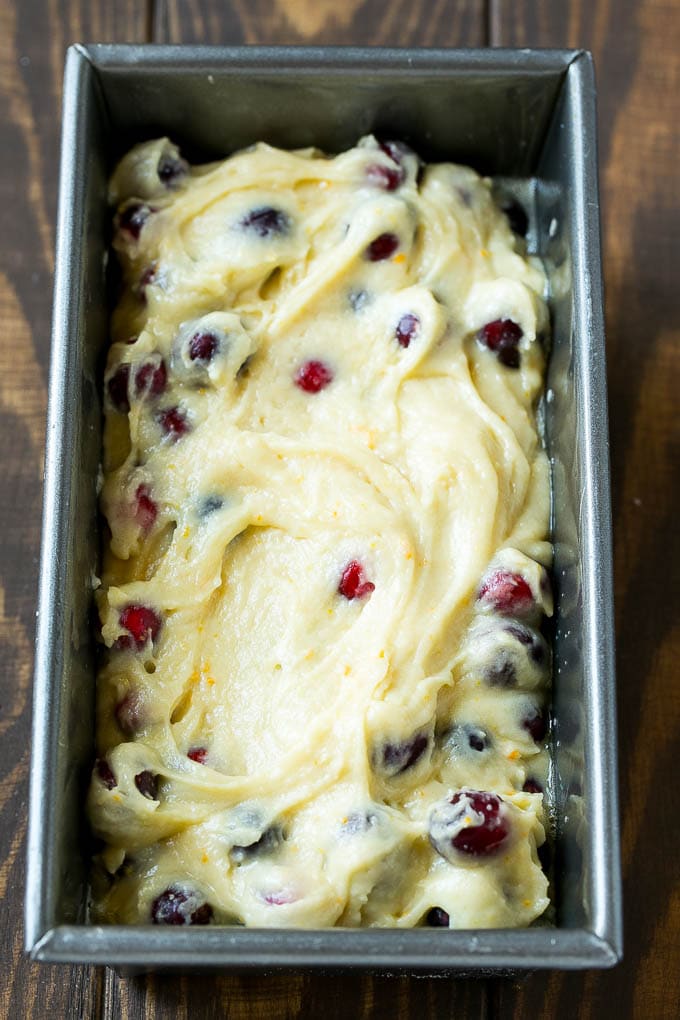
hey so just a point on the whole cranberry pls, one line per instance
(473, 822)
(353, 582)
(535, 722)
(146, 508)
(198, 754)
(151, 378)
(175, 906)
(174, 423)
(502, 336)
(393, 759)
(203, 346)
(313, 376)
(117, 387)
(437, 917)
(507, 593)
(383, 247)
(133, 217)
(266, 221)
(105, 773)
(171, 170)
(386, 177)
(532, 786)
(142, 624)
(407, 329)
(147, 784)
(129, 713)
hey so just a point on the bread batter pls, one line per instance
(322, 696)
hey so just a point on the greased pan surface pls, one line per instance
(527, 114)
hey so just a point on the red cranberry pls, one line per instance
(386, 177)
(502, 336)
(147, 784)
(105, 773)
(535, 723)
(266, 221)
(407, 329)
(397, 758)
(171, 169)
(472, 822)
(203, 346)
(151, 378)
(128, 713)
(507, 593)
(173, 422)
(146, 509)
(133, 217)
(174, 906)
(118, 388)
(313, 376)
(383, 247)
(437, 918)
(198, 754)
(532, 786)
(397, 150)
(142, 624)
(353, 583)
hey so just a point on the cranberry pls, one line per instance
(507, 593)
(383, 247)
(151, 378)
(174, 906)
(517, 217)
(437, 918)
(118, 388)
(198, 754)
(407, 329)
(531, 640)
(357, 823)
(279, 897)
(105, 773)
(203, 346)
(502, 337)
(142, 624)
(147, 784)
(174, 422)
(501, 673)
(397, 151)
(128, 713)
(146, 509)
(353, 583)
(386, 177)
(266, 221)
(397, 758)
(313, 376)
(535, 722)
(210, 505)
(465, 738)
(133, 217)
(171, 169)
(532, 786)
(472, 822)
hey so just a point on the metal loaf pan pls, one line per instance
(517, 114)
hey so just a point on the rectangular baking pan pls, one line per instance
(515, 114)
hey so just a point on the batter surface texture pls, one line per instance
(321, 700)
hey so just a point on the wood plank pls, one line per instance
(635, 48)
(322, 22)
(377, 22)
(33, 38)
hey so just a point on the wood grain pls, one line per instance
(323, 22)
(639, 87)
(635, 49)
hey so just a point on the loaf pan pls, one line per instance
(526, 117)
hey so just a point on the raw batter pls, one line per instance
(322, 699)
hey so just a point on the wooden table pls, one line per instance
(636, 48)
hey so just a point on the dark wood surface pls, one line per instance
(635, 46)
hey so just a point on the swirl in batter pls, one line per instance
(322, 696)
